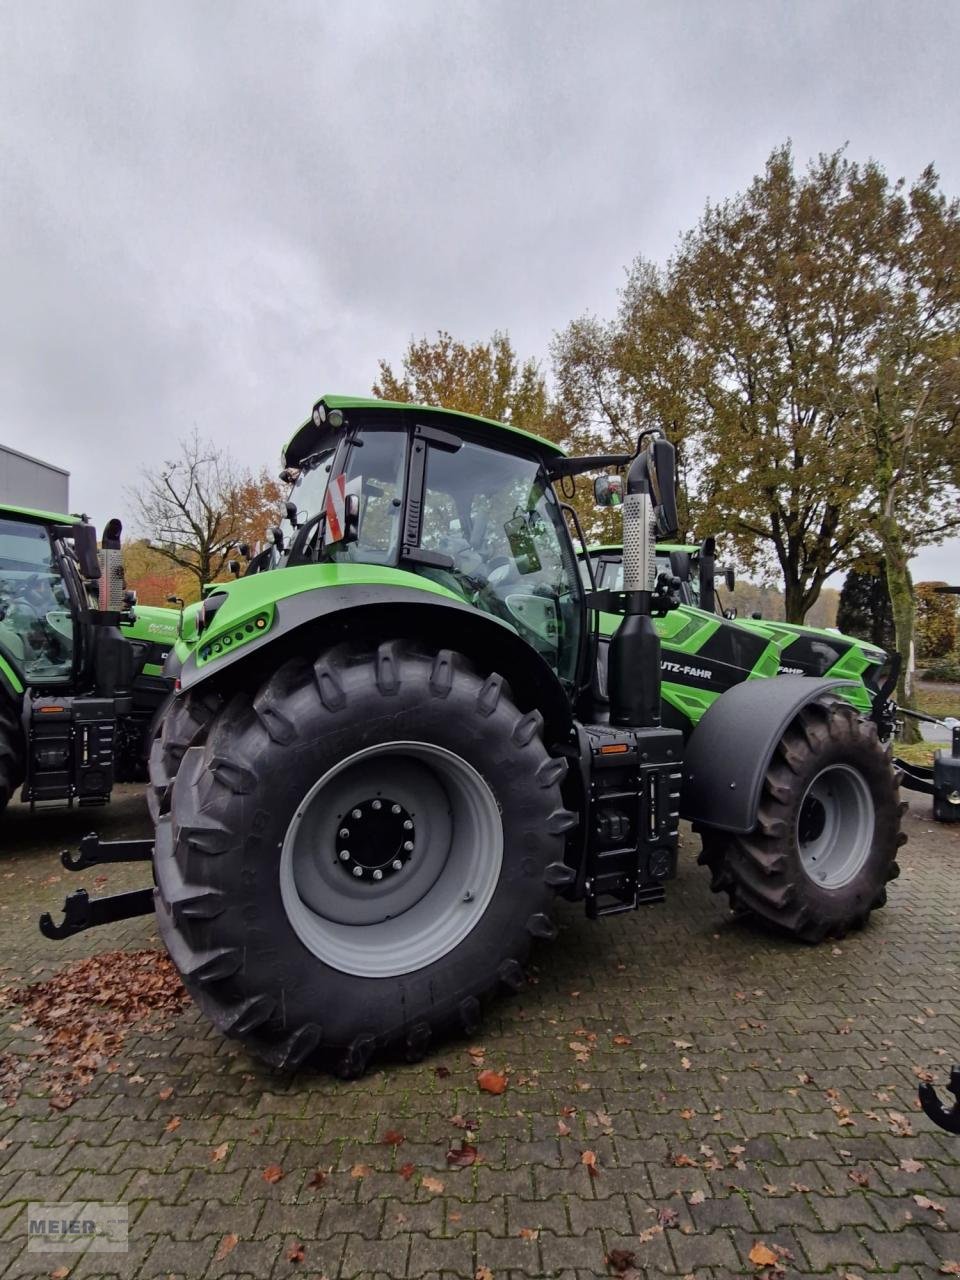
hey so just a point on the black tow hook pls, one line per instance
(81, 912)
(934, 1108)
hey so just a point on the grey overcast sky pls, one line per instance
(212, 212)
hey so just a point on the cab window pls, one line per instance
(36, 621)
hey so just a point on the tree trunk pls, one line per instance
(900, 586)
(793, 601)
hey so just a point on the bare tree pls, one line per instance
(198, 507)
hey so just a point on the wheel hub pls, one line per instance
(376, 840)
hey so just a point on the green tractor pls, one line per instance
(802, 651)
(391, 752)
(81, 672)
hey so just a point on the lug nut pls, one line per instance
(408, 825)
(358, 871)
(378, 874)
(344, 833)
(376, 805)
(344, 855)
(408, 845)
(395, 809)
(397, 864)
(356, 814)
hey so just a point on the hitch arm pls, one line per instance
(94, 851)
(934, 1108)
(81, 912)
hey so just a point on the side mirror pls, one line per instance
(275, 537)
(757, 616)
(85, 548)
(662, 463)
(244, 549)
(234, 567)
(730, 577)
(291, 510)
(608, 491)
(351, 511)
(129, 599)
(730, 614)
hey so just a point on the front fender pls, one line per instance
(368, 612)
(729, 752)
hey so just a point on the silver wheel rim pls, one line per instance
(835, 826)
(424, 819)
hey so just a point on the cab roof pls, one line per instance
(309, 437)
(41, 517)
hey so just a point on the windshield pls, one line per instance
(609, 573)
(36, 621)
(496, 517)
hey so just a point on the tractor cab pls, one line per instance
(461, 501)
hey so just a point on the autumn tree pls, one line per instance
(936, 621)
(802, 348)
(198, 507)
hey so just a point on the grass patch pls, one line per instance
(937, 702)
(915, 752)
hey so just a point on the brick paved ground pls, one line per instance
(717, 1111)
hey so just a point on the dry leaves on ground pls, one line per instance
(621, 1260)
(433, 1185)
(392, 1138)
(83, 1013)
(296, 1252)
(589, 1158)
(219, 1154)
(272, 1173)
(463, 1156)
(762, 1255)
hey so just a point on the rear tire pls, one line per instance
(11, 753)
(308, 956)
(828, 829)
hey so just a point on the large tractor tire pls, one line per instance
(11, 753)
(827, 834)
(180, 723)
(360, 855)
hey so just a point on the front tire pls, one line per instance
(393, 757)
(828, 829)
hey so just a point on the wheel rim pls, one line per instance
(835, 826)
(423, 839)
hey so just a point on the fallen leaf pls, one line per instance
(687, 1113)
(441, 1072)
(173, 1123)
(432, 1184)
(318, 1179)
(589, 1158)
(900, 1125)
(491, 1081)
(295, 1252)
(137, 1079)
(924, 1203)
(644, 1237)
(762, 1256)
(463, 1122)
(61, 1273)
(621, 1260)
(407, 1171)
(219, 1153)
(226, 1246)
(859, 1178)
(165, 1094)
(911, 1166)
(948, 1268)
(528, 1233)
(483, 1273)
(682, 1044)
(696, 1197)
(272, 1173)
(392, 1138)
(667, 1217)
(463, 1156)
(563, 1129)
(622, 1040)
(681, 1161)
(685, 1063)
(359, 1171)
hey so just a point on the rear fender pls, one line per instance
(730, 750)
(362, 613)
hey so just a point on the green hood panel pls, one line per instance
(153, 624)
(42, 517)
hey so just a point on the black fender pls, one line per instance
(730, 750)
(370, 612)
